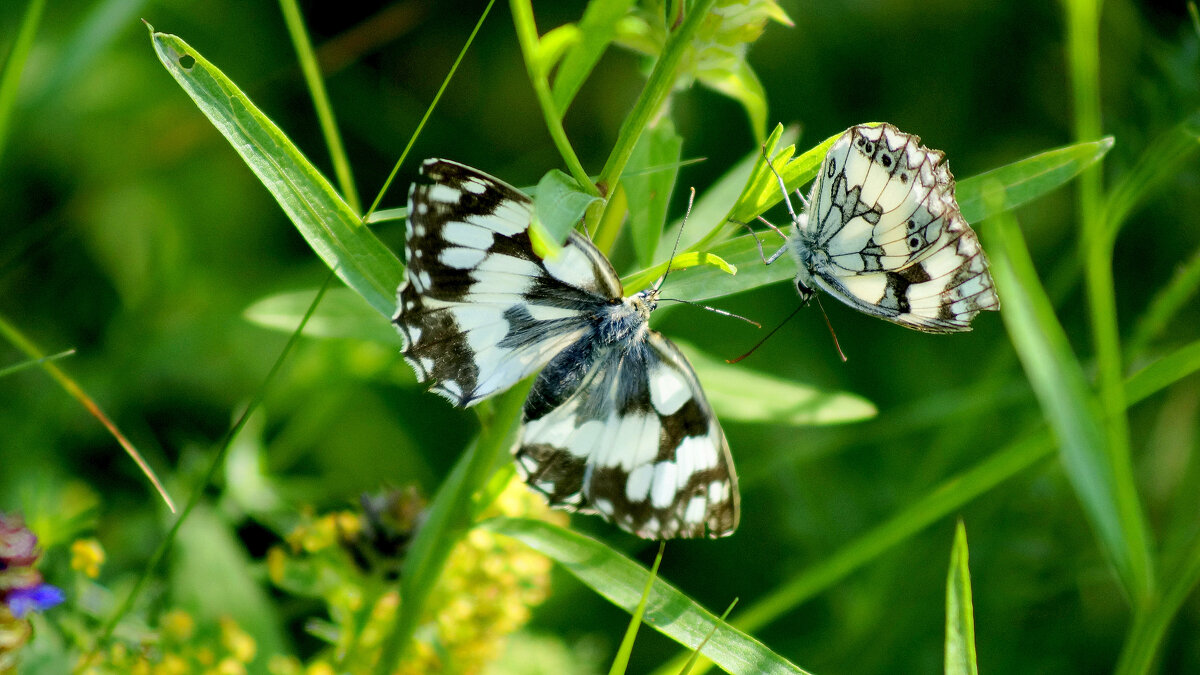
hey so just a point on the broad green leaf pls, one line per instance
(1029, 178)
(343, 314)
(621, 661)
(597, 28)
(705, 282)
(762, 190)
(620, 580)
(1062, 389)
(960, 611)
(560, 204)
(648, 193)
(329, 225)
(742, 394)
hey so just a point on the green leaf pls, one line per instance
(343, 314)
(553, 45)
(706, 282)
(329, 225)
(1029, 178)
(1164, 306)
(742, 85)
(649, 192)
(762, 190)
(597, 27)
(620, 580)
(30, 363)
(1062, 389)
(621, 661)
(741, 394)
(560, 204)
(960, 612)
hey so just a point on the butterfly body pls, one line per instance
(616, 422)
(882, 232)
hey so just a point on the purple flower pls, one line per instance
(18, 546)
(39, 598)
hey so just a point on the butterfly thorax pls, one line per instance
(626, 321)
(808, 256)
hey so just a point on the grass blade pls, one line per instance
(960, 612)
(447, 520)
(620, 580)
(945, 498)
(18, 367)
(329, 225)
(14, 66)
(1163, 307)
(344, 315)
(1068, 404)
(621, 662)
(18, 340)
(1161, 160)
(1029, 178)
(316, 87)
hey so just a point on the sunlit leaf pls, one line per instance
(960, 611)
(343, 314)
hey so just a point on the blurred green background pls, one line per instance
(135, 235)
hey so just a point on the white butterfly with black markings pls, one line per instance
(881, 231)
(616, 423)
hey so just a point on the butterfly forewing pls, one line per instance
(883, 233)
(478, 310)
(616, 423)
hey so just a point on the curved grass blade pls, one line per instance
(23, 343)
(1164, 306)
(947, 497)
(1159, 161)
(1069, 405)
(448, 519)
(745, 395)
(621, 661)
(960, 612)
(329, 225)
(691, 663)
(1027, 179)
(620, 580)
(218, 460)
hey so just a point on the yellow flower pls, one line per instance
(87, 555)
(237, 641)
(177, 625)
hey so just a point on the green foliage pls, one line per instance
(138, 240)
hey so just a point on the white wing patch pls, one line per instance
(882, 232)
(616, 423)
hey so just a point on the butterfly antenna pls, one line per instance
(714, 309)
(773, 331)
(830, 326)
(678, 235)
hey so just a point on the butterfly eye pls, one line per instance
(912, 224)
(869, 148)
(832, 169)
(914, 242)
(886, 161)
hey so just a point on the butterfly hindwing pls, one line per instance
(625, 431)
(884, 234)
(478, 309)
(616, 422)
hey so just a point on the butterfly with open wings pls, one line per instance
(881, 231)
(616, 422)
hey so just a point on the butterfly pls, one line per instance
(616, 422)
(882, 232)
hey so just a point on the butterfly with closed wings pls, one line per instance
(616, 423)
(881, 231)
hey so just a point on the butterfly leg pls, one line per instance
(758, 242)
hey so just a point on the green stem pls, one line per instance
(14, 66)
(1083, 39)
(527, 36)
(1151, 621)
(428, 111)
(654, 95)
(316, 88)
